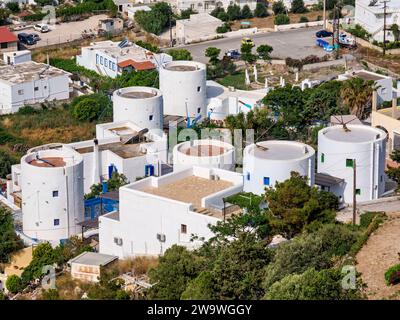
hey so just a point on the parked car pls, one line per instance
(41, 27)
(247, 41)
(233, 54)
(323, 34)
(35, 36)
(26, 39)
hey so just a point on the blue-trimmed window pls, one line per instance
(97, 58)
(56, 222)
(248, 176)
(101, 60)
(106, 62)
(266, 181)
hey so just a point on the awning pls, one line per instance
(326, 180)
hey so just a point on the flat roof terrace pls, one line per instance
(125, 151)
(138, 94)
(190, 189)
(48, 162)
(368, 76)
(202, 150)
(181, 67)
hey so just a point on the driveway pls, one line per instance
(65, 32)
(296, 44)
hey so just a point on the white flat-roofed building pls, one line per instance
(199, 27)
(223, 101)
(384, 84)
(15, 57)
(369, 14)
(122, 147)
(268, 162)
(110, 58)
(338, 148)
(31, 83)
(206, 6)
(88, 265)
(168, 210)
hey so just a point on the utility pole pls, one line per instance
(336, 32)
(354, 191)
(384, 25)
(324, 15)
(171, 44)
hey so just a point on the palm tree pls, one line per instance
(356, 94)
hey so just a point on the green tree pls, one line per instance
(176, 268)
(155, 20)
(233, 12)
(90, 107)
(260, 10)
(246, 53)
(396, 31)
(246, 12)
(310, 250)
(357, 96)
(13, 7)
(9, 241)
(313, 285)
(73, 247)
(278, 7)
(294, 204)
(117, 180)
(14, 284)
(185, 14)
(219, 12)
(200, 288)
(180, 54)
(4, 14)
(6, 161)
(213, 53)
(298, 6)
(281, 19)
(264, 51)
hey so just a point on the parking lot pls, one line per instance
(65, 32)
(296, 44)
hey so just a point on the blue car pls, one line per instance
(26, 39)
(323, 34)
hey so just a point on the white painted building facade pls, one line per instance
(206, 6)
(371, 17)
(338, 147)
(163, 216)
(31, 83)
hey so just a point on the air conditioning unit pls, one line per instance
(118, 241)
(161, 237)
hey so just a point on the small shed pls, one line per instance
(87, 266)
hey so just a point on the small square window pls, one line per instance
(21, 92)
(322, 157)
(248, 176)
(183, 228)
(198, 110)
(266, 181)
(151, 117)
(358, 192)
(55, 193)
(198, 89)
(349, 163)
(36, 88)
(56, 222)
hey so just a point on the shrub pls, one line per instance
(281, 19)
(27, 110)
(6, 161)
(14, 284)
(359, 32)
(392, 275)
(278, 7)
(224, 28)
(303, 19)
(261, 10)
(148, 46)
(180, 54)
(298, 6)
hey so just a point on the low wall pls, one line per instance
(285, 27)
(240, 32)
(324, 64)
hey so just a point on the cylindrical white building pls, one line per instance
(183, 84)
(205, 153)
(339, 146)
(141, 105)
(52, 192)
(268, 162)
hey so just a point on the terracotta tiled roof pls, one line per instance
(7, 36)
(143, 65)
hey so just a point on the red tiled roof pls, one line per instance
(7, 36)
(143, 65)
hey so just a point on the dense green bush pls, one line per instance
(148, 46)
(9, 241)
(281, 19)
(303, 19)
(260, 10)
(6, 161)
(278, 7)
(392, 275)
(359, 32)
(90, 107)
(14, 284)
(155, 20)
(180, 54)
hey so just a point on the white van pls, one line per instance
(42, 27)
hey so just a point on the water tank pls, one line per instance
(183, 84)
(268, 162)
(339, 146)
(52, 192)
(205, 153)
(141, 105)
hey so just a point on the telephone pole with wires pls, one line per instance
(384, 25)
(354, 192)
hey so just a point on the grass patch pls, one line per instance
(236, 80)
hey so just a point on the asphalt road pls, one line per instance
(296, 44)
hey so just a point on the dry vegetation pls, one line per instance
(390, 62)
(268, 22)
(138, 266)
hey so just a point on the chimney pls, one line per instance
(96, 160)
